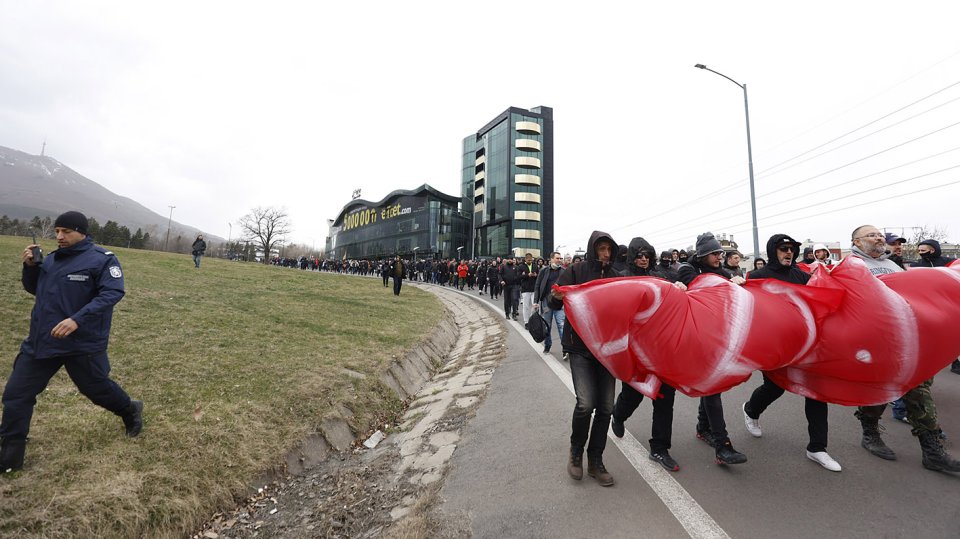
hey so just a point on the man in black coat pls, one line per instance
(510, 281)
(931, 256)
(592, 382)
(642, 256)
(711, 426)
(782, 251)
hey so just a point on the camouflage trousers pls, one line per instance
(921, 410)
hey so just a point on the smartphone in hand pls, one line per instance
(37, 252)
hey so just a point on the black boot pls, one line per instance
(726, 454)
(11, 455)
(575, 464)
(133, 418)
(872, 441)
(934, 456)
(955, 367)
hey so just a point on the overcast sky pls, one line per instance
(218, 107)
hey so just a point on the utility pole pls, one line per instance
(166, 242)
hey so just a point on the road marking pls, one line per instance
(694, 519)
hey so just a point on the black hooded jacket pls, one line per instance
(936, 260)
(638, 245)
(589, 269)
(774, 269)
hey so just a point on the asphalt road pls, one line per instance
(508, 476)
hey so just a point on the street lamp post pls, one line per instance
(753, 196)
(459, 249)
(166, 242)
(415, 253)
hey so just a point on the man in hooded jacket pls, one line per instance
(711, 426)
(782, 251)
(592, 382)
(641, 255)
(931, 256)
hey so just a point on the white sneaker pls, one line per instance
(825, 460)
(753, 425)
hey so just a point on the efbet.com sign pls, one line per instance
(371, 215)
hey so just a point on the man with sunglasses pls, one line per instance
(661, 430)
(711, 427)
(782, 250)
(869, 245)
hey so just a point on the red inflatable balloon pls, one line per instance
(846, 338)
(890, 334)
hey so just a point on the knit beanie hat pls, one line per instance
(706, 244)
(73, 220)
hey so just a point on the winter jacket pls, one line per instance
(690, 270)
(934, 260)
(545, 281)
(199, 246)
(528, 281)
(589, 269)
(82, 282)
(510, 274)
(774, 269)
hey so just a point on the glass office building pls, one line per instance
(423, 222)
(507, 184)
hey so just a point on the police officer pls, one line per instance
(76, 288)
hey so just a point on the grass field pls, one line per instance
(236, 362)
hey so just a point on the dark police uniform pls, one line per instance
(82, 282)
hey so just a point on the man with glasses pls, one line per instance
(711, 427)
(869, 245)
(783, 251)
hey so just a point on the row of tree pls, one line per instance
(111, 233)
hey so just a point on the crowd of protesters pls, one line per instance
(525, 286)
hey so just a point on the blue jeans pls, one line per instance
(196, 260)
(595, 388)
(561, 319)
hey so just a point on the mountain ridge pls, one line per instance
(34, 185)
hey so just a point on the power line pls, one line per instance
(864, 126)
(825, 212)
(848, 182)
(867, 100)
(860, 160)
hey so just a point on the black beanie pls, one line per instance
(73, 220)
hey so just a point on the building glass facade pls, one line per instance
(507, 184)
(424, 223)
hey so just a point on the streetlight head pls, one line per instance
(700, 66)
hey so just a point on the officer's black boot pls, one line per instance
(11, 455)
(934, 456)
(872, 441)
(133, 418)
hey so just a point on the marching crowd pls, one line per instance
(526, 286)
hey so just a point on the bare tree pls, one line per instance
(265, 226)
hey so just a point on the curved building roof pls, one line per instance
(423, 189)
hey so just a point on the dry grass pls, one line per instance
(236, 363)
